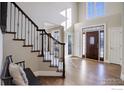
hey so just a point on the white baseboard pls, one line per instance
(47, 73)
(106, 61)
(122, 76)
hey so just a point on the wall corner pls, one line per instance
(122, 76)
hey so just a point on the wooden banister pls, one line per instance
(24, 13)
(25, 29)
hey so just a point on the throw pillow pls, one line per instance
(15, 73)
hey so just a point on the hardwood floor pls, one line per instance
(86, 72)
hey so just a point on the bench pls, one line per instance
(7, 79)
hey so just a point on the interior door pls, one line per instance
(92, 44)
(116, 45)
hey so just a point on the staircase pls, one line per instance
(25, 29)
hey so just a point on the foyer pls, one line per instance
(59, 41)
(86, 72)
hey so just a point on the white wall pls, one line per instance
(112, 18)
(122, 68)
(111, 9)
(1, 50)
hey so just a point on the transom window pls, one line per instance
(94, 9)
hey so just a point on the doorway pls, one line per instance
(116, 45)
(93, 45)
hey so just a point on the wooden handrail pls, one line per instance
(51, 36)
(24, 14)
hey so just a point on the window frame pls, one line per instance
(95, 11)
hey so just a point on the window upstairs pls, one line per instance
(94, 9)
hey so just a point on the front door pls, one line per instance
(92, 43)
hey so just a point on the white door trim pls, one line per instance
(105, 60)
(122, 76)
(113, 28)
